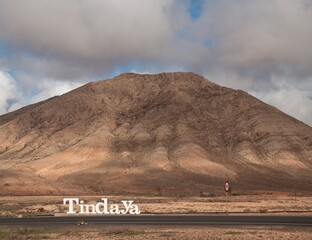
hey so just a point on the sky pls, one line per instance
(263, 47)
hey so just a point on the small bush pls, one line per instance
(126, 232)
(3, 234)
(133, 232)
(247, 210)
(263, 210)
(206, 194)
(27, 231)
(233, 233)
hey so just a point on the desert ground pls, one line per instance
(154, 232)
(256, 204)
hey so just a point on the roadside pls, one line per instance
(12, 206)
(154, 232)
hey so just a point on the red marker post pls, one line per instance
(227, 188)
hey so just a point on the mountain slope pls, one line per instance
(176, 133)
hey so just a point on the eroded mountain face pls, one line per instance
(176, 133)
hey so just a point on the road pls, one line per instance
(166, 220)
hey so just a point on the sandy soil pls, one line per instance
(153, 232)
(30, 205)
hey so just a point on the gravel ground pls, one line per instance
(260, 204)
(155, 232)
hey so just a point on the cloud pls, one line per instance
(8, 94)
(292, 100)
(252, 45)
(51, 88)
(11, 98)
(258, 38)
(251, 38)
(95, 34)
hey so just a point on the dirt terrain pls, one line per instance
(169, 134)
(25, 206)
(97, 232)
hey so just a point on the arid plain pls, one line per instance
(273, 204)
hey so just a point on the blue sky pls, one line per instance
(260, 46)
(195, 8)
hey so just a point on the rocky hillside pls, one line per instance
(169, 133)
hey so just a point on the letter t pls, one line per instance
(71, 204)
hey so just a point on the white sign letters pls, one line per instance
(126, 207)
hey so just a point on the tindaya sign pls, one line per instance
(103, 207)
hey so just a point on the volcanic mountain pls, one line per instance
(169, 133)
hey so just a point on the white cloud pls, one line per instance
(292, 100)
(50, 88)
(251, 45)
(251, 38)
(11, 97)
(89, 32)
(260, 37)
(8, 91)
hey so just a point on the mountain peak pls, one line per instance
(150, 131)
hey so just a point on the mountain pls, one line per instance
(168, 133)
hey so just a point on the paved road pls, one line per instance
(166, 220)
